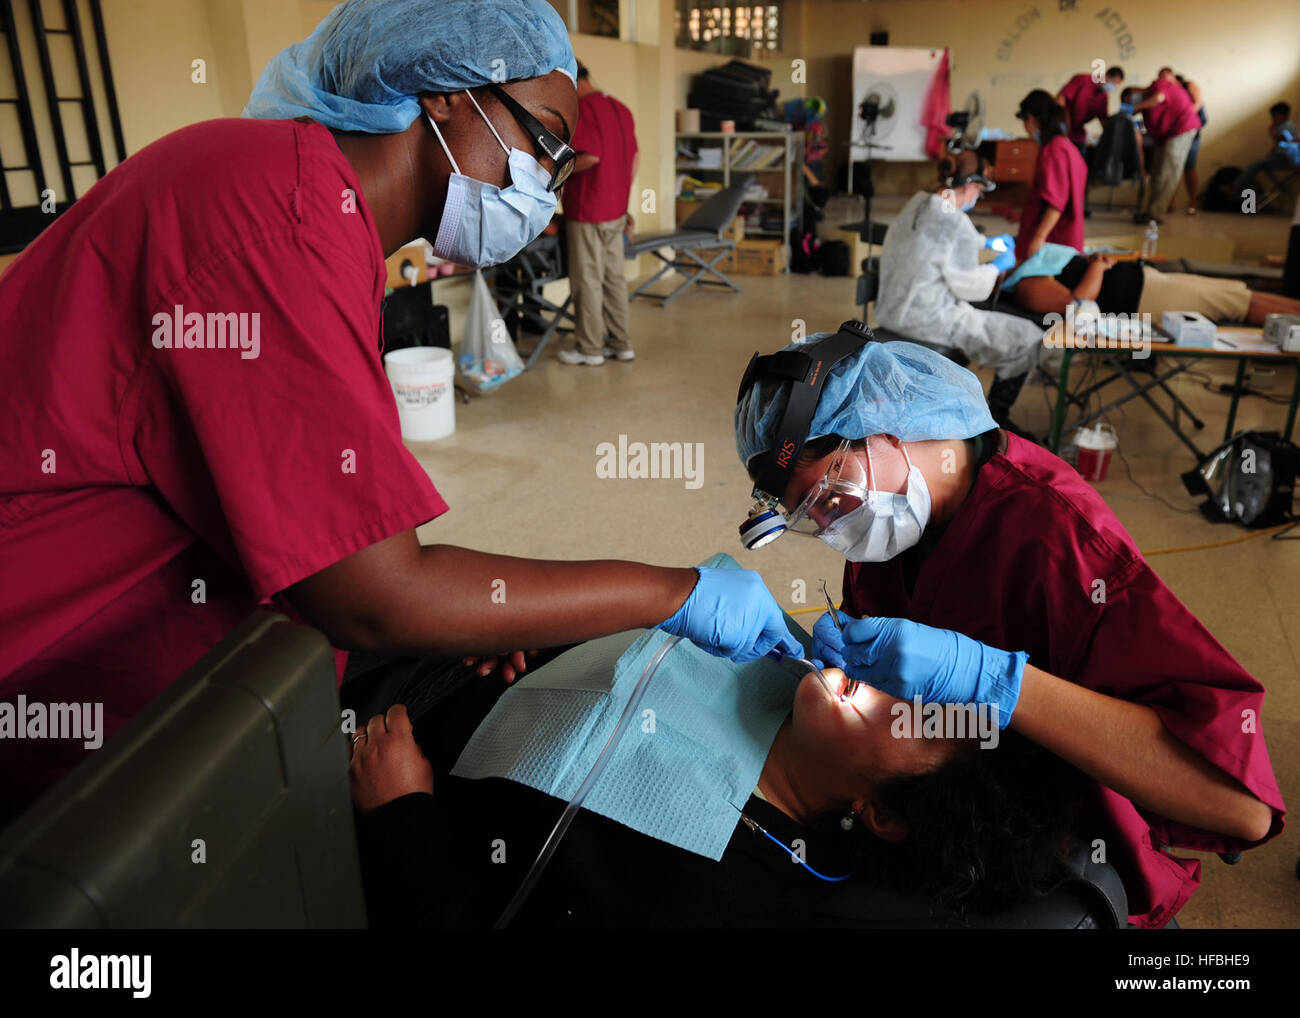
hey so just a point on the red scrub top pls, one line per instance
(605, 129)
(1175, 116)
(1017, 569)
(1060, 179)
(130, 470)
(1084, 100)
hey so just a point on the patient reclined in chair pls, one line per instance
(988, 831)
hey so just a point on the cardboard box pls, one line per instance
(1189, 328)
(760, 258)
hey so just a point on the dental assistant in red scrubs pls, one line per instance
(1053, 211)
(995, 550)
(198, 415)
(1084, 99)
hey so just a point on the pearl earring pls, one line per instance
(848, 821)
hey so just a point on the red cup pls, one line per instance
(1095, 446)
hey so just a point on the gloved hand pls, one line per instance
(730, 613)
(1126, 108)
(1002, 242)
(1005, 261)
(907, 659)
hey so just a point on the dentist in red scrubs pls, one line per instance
(198, 416)
(983, 569)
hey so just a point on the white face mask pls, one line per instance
(886, 524)
(485, 225)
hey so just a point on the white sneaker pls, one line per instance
(574, 357)
(623, 355)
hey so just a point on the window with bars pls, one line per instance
(58, 112)
(747, 30)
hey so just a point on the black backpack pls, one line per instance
(1213, 199)
(1250, 480)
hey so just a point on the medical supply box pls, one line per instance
(1284, 330)
(760, 258)
(1189, 328)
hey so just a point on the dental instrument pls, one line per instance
(806, 663)
(835, 618)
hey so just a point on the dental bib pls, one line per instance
(688, 761)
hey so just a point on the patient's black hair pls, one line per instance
(1282, 110)
(987, 830)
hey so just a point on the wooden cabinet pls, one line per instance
(1010, 163)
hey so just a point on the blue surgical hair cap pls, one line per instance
(368, 60)
(896, 388)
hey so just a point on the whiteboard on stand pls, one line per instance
(898, 76)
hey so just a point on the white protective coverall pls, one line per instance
(930, 270)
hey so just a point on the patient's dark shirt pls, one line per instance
(455, 858)
(1121, 284)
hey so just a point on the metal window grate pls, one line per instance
(21, 218)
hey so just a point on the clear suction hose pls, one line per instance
(571, 810)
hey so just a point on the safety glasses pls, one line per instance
(546, 145)
(842, 490)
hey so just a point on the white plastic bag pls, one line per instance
(488, 357)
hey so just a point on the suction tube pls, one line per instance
(571, 810)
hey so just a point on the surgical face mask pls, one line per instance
(886, 524)
(485, 225)
(970, 204)
(1036, 135)
(1108, 86)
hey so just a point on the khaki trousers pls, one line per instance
(1169, 159)
(598, 285)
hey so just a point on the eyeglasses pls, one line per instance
(546, 144)
(841, 490)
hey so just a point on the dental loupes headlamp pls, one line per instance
(806, 369)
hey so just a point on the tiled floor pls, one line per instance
(520, 476)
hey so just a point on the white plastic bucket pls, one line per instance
(422, 379)
(1095, 446)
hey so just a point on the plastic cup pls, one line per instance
(1095, 446)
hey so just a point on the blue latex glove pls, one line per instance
(1005, 261)
(906, 659)
(1126, 108)
(730, 613)
(1002, 242)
